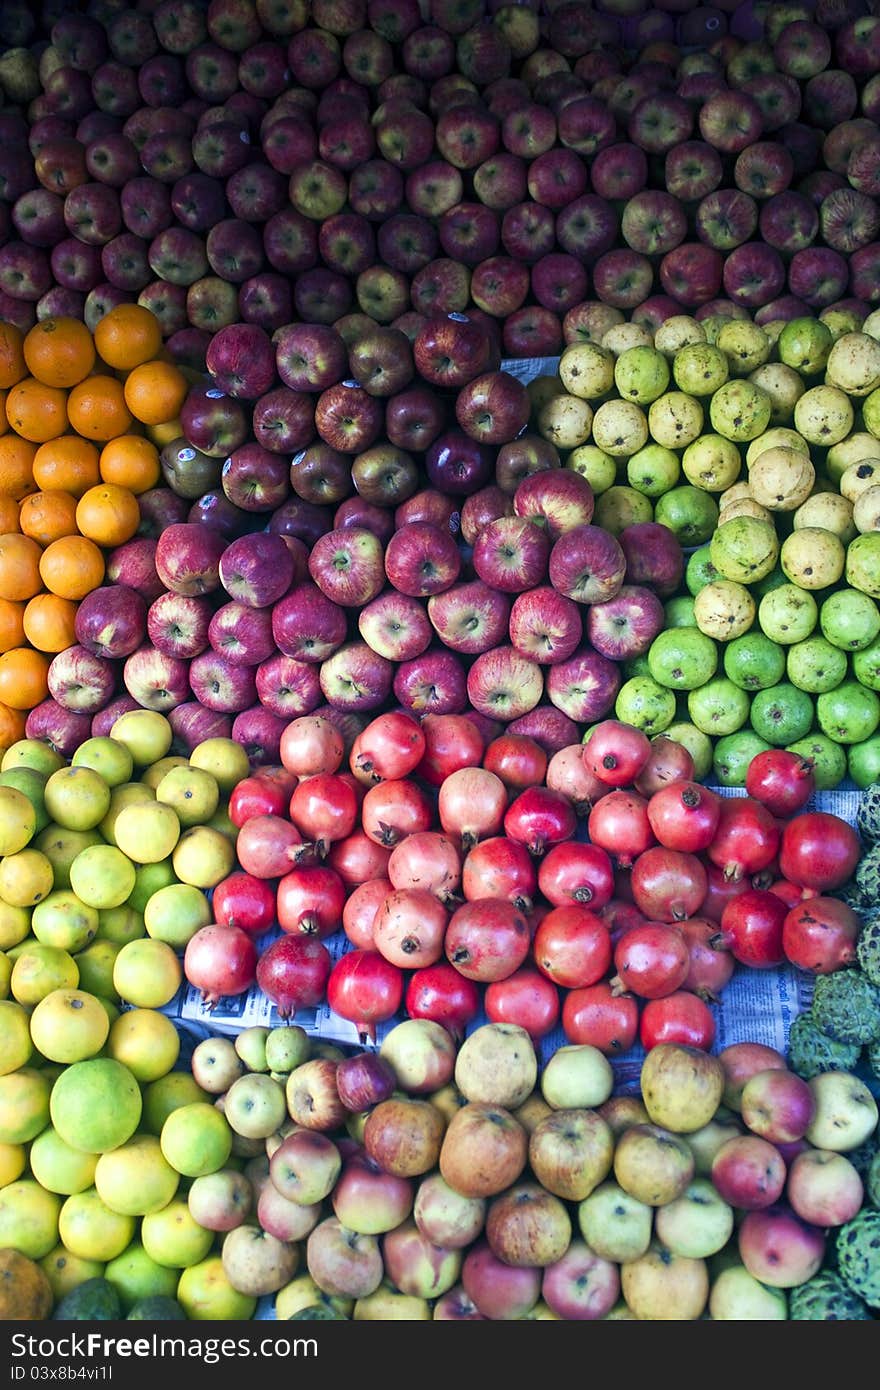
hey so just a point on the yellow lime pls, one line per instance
(18, 820)
(173, 1238)
(170, 1092)
(58, 1167)
(63, 919)
(146, 734)
(203, 857)
(147, 973)
(95, 1105)
(39, 969)
(152, 776)
(28, 1218)
(224, 758)
(15, 1036)
(192, 792)
(24, 1105)
(32, 752)
(95, 965)
(15, 924)
(69, 1025)
(66, 1272)
(26, 878)
(196, 1139)
(91, 1230)
(176, 913)
(149, 878)
(106, 756)
(136, 1178)
(102, 876)
(146, 1041)
(148, 832)
(120, 924)
(13, 1161)
(77, 797)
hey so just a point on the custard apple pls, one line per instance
(810, 1051)
(846, 1006)
(868, 949)
(826, 1298)
(868, 814)
(867, 875)
(858, 1255)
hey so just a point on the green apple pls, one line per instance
(700, 369)
(739, 410)
(697, 1224)
(653, 470)
(744, 344)
(804, 344)
(644, 703)
(733, 754)
(813, 558)
(106, 756)
(719, 707)
(711, 463)
(614, 1224)
(641, 374)
(577, 1077)
(736, 1296)
(782, 715)
(788, 614)
(824, 415)
(816, 665)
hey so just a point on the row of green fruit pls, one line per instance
(758, 448)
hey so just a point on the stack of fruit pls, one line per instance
(336, 160)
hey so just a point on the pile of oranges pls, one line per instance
(82, 419)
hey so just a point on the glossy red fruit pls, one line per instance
(819, 850)
(667, 885)
(751, 928)
(394, 809)
(601, 1018)
(310, 900)
(539, 818)
(820, 935)
(572, 946)
(518, 760)
(684, 816)
(409, 928)
(527, 999)
(452, 742)
(616, 753)
(574, 872)
(681, 1018)
(781, 781)
(324, 809)
(359, 912)
(500, 868)
(366, 989)
(619, 824)
(719, 891)
(441, 993)
(243, 900)
(651, 961)
(746, 838)
(487, 940)
(391, 746)
(293, 972)
(711, 964)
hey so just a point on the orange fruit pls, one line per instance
(16, 466)
(131, 461)
(45, 516)
(108, 514)
(19, 567)
(23, 677)
(71, 567)
(36, 411)
(12, 726)
(128, 336)
(8, 514)
(48, 622)
(12, 633)
(97, 410)
(67, 464)
(12, 364)
(59, 351)
(155, 391)
(4, 423)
